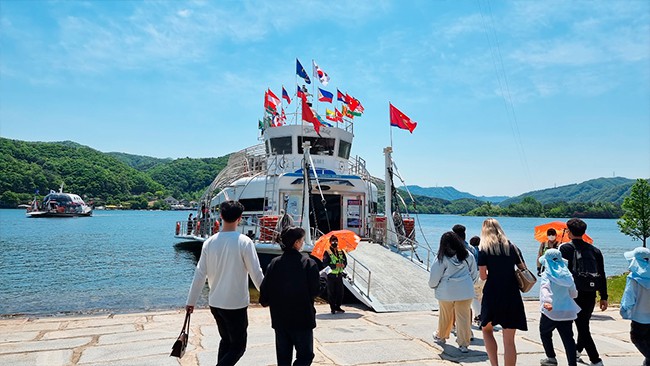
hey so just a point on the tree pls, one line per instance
(635, 222)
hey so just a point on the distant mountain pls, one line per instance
(595, 190)
(451, 194)
(139, 162)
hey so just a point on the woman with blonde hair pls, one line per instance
(502, 303)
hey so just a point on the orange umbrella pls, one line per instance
(562, 232)
(348, 241)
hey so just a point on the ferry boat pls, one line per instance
(304, 175)
(59, 204)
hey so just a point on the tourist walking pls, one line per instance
(556, 294)
(502, 303)
(478, 285)
(588, 269)
(551, 243)
(635, 304)
(452, 277)
(289, 288)
(460, 231)
(336, 260)
(227, 260)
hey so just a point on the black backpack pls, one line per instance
(585, 270)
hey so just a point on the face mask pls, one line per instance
(551, 237)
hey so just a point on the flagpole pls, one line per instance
(389, 127)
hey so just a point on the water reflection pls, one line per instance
(190, 250)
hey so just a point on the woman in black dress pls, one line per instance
(502, 303)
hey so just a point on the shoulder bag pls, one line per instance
(178, 349)
(525, 278)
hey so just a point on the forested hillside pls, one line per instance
(451, 194)
(112, 178)
(28, 167)
(611, 190)
(139, 162)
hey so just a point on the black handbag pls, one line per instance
(178, 349)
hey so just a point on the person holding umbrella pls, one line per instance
(336, 260)
(551, 243)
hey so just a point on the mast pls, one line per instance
(304, 222)
(391, 235)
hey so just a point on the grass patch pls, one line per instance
(615, 287)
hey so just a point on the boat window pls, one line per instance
(319, 145)
(281, 145)
(253, 204)
(344, 149)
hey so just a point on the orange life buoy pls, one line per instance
(215, 229)
(178, 227)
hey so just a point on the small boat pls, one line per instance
(59, 204)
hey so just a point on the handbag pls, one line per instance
(525, 278)
(178, 349)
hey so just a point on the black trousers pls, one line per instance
(334, 291)
(286, 340)
(586, 300)
(565, 329)
(640, 336)
(232, 326)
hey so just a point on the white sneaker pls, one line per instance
(599, 363)
(549, 361)
(438, 339)
(463, 349)
(578, 357)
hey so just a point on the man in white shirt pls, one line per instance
(227, 259)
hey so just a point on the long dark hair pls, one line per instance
(452, 245)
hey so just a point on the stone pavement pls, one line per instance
(358, 337)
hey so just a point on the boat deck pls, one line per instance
(387, 281)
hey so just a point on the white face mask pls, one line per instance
(551, 237)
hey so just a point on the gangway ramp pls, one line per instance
(387, 281)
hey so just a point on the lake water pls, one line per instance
(130, 260)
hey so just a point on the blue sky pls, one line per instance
(509, 96)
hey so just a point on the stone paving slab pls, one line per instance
(358, 338)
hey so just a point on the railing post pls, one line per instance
(369, 274)
(354, 269)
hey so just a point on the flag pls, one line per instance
(360, 108)
(325, 96)
(309, 116)
(340, 96)
(300, 71)
(355, 113)
(283, 117)
(276, 120)
(320, 74)
(300, 94)
(338, 115)
(400, 120)
(330, 115)
(285, 95)
(346, 112)
(352, 102)
(271, 101)
(322, 121)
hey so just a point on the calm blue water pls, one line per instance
(130, 260)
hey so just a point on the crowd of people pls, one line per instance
(472, 281)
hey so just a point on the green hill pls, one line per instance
(30, 166)
(139, 162)
(451, 194)
(611, 190)
(188, 175)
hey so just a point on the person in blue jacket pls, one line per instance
(559, 310)
(635, 304)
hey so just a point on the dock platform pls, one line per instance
(387, 281)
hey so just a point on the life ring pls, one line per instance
(178, 227)
(215, 228)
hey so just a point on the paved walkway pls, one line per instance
(358, 337)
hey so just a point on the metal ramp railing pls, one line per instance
(387, 281)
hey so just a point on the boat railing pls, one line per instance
(360, 277)
(196, 228)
